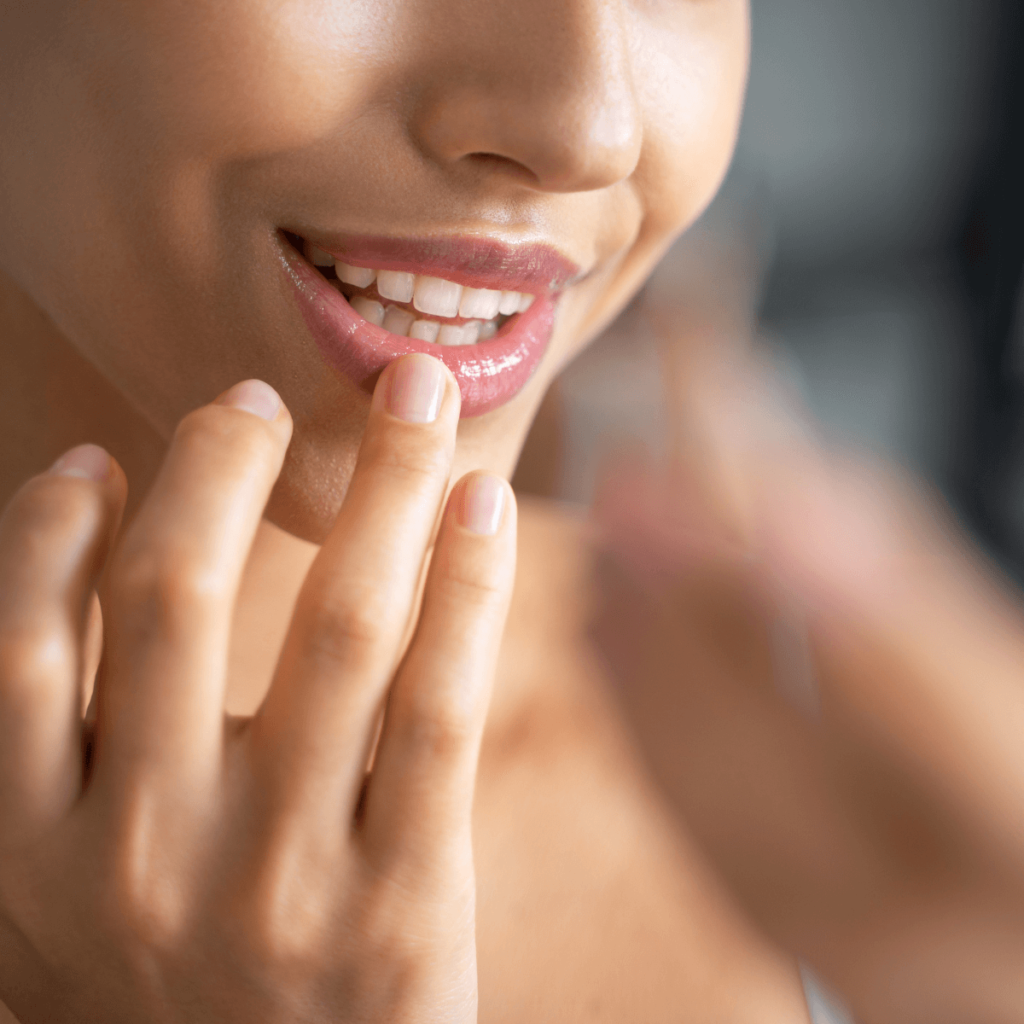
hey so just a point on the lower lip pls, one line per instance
(490, 373)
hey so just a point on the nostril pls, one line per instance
(503, 164)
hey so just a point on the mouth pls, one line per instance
(484, 308)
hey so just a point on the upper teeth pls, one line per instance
(432, 295)
(435, 295)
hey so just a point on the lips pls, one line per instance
(489, 372)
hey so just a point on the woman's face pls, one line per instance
(163, 163)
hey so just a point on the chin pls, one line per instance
(325, 446)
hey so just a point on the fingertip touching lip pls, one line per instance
(491, 360)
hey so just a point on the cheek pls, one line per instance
(692, 93)
(137, 113)
(239, 78)
(689, 73)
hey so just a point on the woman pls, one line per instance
(315, 199)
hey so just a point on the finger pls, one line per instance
(54, 538)
(344, 642)
(173, 583)
(421, 792)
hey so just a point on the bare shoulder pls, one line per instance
(593, 905)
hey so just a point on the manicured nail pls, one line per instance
(87, 461)
(253, 396)
(483, 502)
(417, 388)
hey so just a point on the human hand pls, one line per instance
(826, 679)
(194, 868)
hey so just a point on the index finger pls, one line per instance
(317, 723)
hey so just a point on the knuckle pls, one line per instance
(339, 629)
(398, 918)
(282, 919)
(470, 587)
(50, 511)
(143, 920)
(171, 585)
(271, 939)
(382, 917)
(145, 907)
(440, 729)
(36, 661)
(413, 464)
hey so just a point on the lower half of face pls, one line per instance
(301, 191)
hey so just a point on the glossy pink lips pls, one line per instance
(489, 373)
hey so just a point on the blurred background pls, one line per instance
(871, 232)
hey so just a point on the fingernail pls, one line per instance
(483, 502)
(417, 388)
(253, 396)
(87, 461)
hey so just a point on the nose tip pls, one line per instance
(591, 150)
(588, 153)
(556, 101)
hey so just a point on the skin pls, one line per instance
(158, 150)
(196, 870)
(145, 171)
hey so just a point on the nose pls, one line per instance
(540, 89)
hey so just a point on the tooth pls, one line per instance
(479, 302)
(368, 309)
(425, 330)
(317, 256)
(436, 296)
(488, 330)
(359, 276)
(397, 321)
(525, 303)
(509, 302)
(470, 332)
(395, 284)
(450, 334)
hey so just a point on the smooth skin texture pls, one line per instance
(149, 155)
(206, 868)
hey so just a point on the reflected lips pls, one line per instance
(489, 373)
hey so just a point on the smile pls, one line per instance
(484, 308)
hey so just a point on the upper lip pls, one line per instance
(537, 268)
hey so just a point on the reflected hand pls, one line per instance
(829, 684)
(204, 869)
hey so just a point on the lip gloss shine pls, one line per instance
(490, 373)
